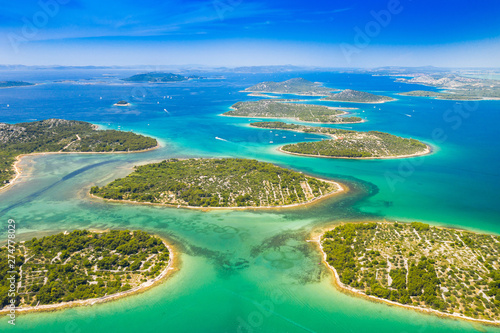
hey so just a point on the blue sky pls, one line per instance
(332, 33)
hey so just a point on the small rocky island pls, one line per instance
(227, 182)
(122, 103)
(297, 86)
(63, 136)
(347, 143)
(160, 77)
(355, 96)
(288, 109)
(67, 268)
(446, 271)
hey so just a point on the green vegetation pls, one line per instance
(227, 182)
(349, 95)
(81, 265)
(297, 86)
(281, 109)
(452, 271)
(439, 95)
(9, 84)
(57, 135)
(347, 143)
(159, 77)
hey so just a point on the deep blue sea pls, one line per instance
(284, 289)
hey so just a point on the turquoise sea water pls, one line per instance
(283, 287)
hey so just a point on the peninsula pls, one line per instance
(348, 144)
(67, 268)
(159, 77)
(226, 182)
(438, 270)
(285, 109)
(62, 136)
(355, 96)
(297, 86)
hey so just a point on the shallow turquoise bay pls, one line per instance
(282, 287)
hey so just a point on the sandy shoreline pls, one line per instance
(355, 292)
(18, 170)
(139, 289)
(341, 189)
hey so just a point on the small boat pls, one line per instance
(271, 142)
(409, 115)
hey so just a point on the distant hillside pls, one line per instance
(297, 86)
(349, 95)
(9, 84)
(159, 77)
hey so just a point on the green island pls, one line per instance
(282, 108)
(454, 272)
(58, 135)
(81, 265)
(10, 84)
(297, 86)
(439, 95)
(348, 143)
(356, 96)
(225, 182)
(159, 77)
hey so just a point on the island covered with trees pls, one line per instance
(297, 86)
(160, 77)
(283, 108)
(348, 143)
(453, 272)
(80, 265)
(225, 182)
(355, 96)
(58, 135)
(10, 84)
